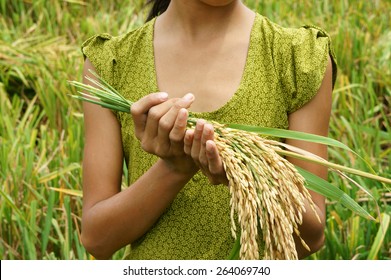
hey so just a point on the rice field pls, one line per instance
(41, 126)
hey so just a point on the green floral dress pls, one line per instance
(283, 71)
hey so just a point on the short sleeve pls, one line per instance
(100, 50)
(302, 59)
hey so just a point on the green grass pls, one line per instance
(41, 127)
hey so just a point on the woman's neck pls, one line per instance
(195, 20)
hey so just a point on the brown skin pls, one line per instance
(203, 34)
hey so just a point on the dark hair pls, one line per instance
(158, 7)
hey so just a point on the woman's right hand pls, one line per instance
(160, 126)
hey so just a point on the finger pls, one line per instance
(177, 133)
(207, 135)
(196, 146)
(143, 105)
(216, 166)
(188, 141)
(214, 161)
(154, 115)
(140, 108)
(167, 122)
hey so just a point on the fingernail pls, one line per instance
(163, 95)
(182, 114)
(208, 129)
(188, 97)
(200, 125)
(188, 135)
(209, 146)
(200, 122)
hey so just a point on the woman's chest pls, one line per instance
(212, 74)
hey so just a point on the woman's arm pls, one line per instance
(113, 218)
(313, 118)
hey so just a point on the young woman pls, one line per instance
(221, 61)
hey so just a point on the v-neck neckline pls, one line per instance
(243, 80)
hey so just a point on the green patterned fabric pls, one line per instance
(284, 69)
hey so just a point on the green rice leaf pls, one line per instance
(290, 134)
(53, 175)
(71, 192)
(381, 233)
(18, 214)
(297, 135)
(330, 191)
(48, 221)
(103, 84)
(234, 254)
(102, 104)
(336, 166)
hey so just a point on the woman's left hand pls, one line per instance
(199, 144)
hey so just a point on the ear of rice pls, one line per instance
(266, 192)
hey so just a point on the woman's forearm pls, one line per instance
(311, 231)
(119, 220)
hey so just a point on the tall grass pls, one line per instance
(41, 128)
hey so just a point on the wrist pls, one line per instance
(180, 168)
